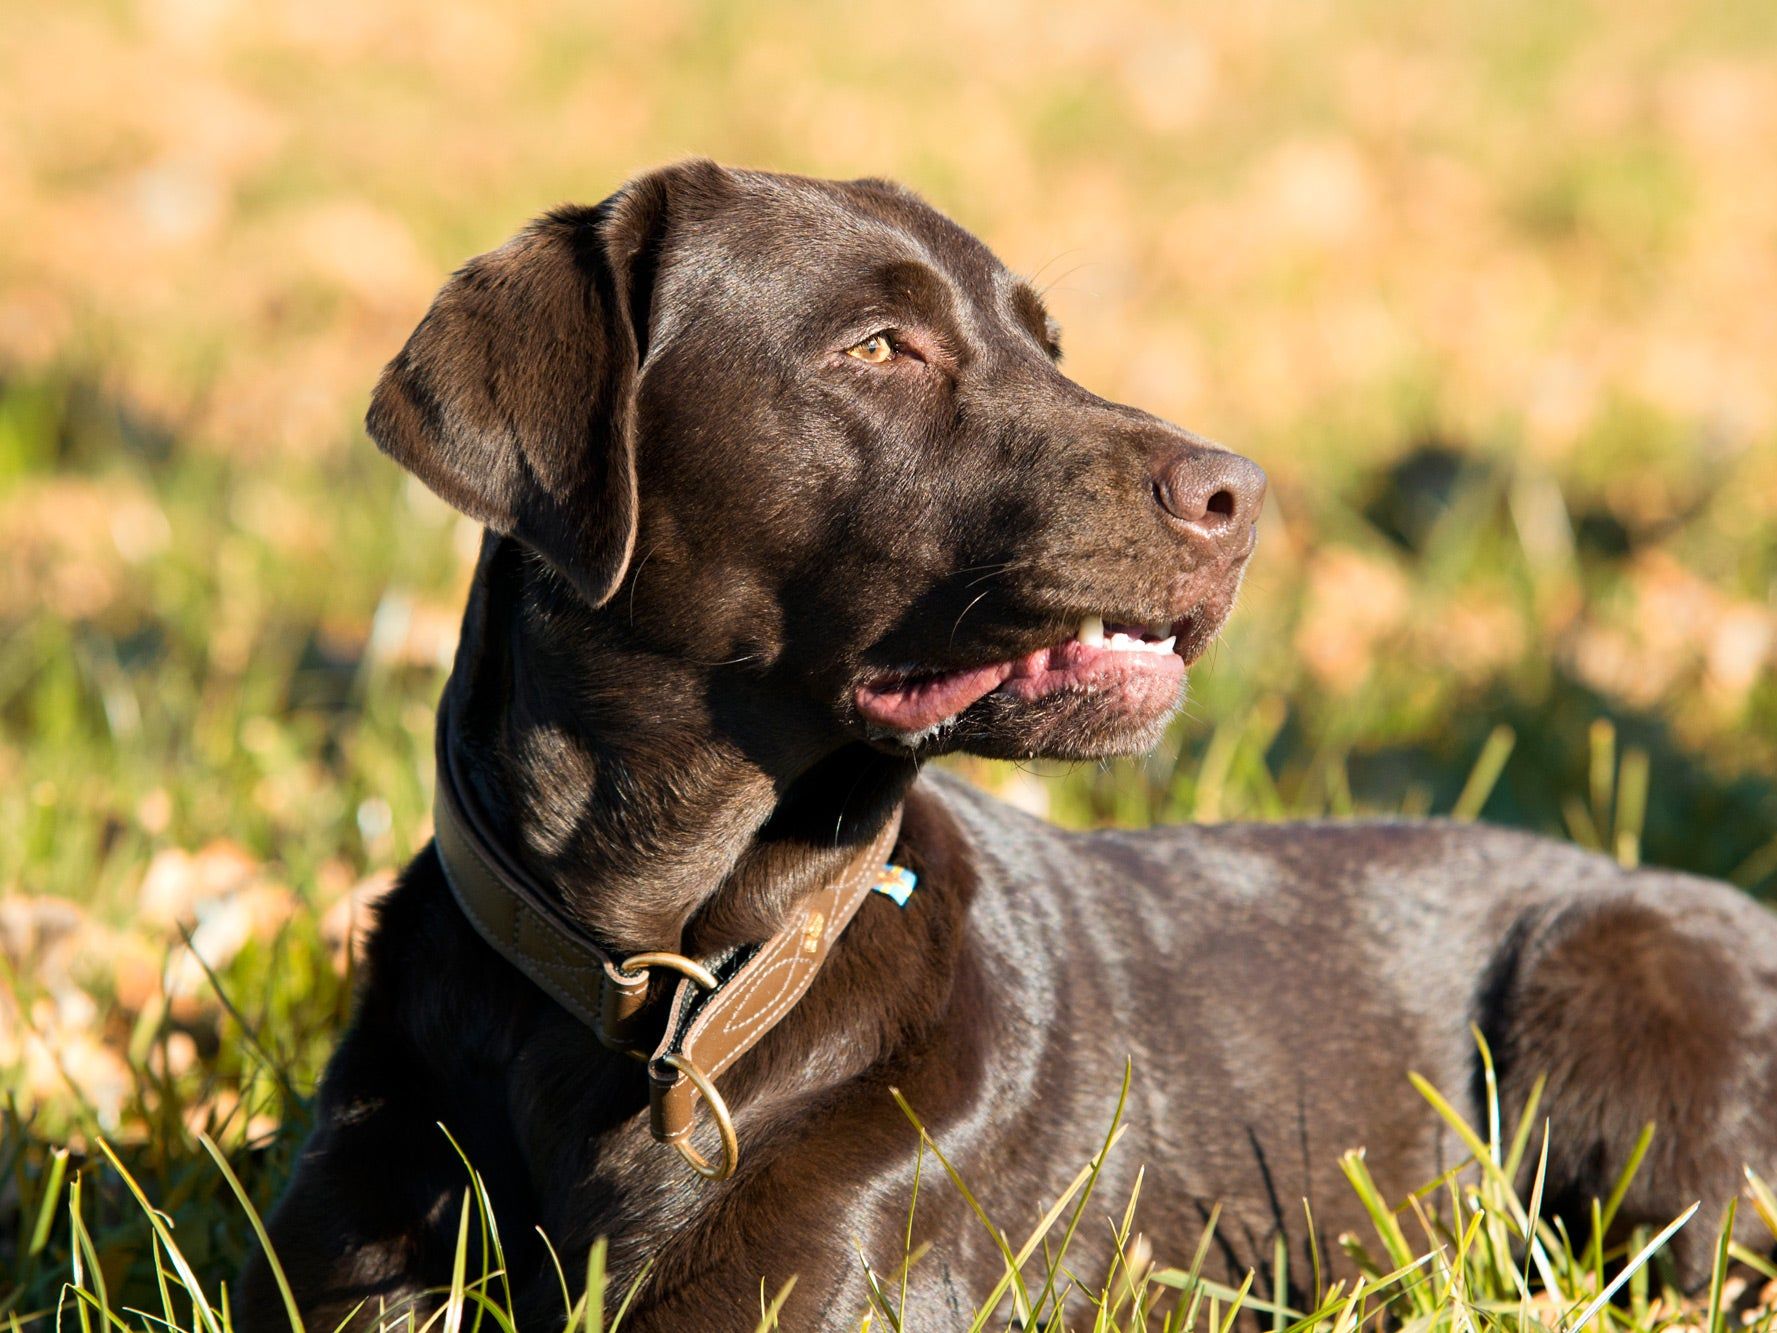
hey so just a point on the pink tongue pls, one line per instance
(926, 703)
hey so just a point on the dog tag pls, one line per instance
(895, 883)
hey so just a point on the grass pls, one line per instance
(1487, 293)
(1469, 1251)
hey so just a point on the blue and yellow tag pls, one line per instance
(896, 882)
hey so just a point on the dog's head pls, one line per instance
(813, 435)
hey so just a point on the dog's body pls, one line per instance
(750, 449)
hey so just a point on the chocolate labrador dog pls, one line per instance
(785, 493)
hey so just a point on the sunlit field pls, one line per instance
(1489, 290)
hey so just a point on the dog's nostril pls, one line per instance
(1212, 492)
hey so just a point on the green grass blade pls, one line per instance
(919, 1161)
(492, 1309)
(561, 1279)
(635, 1289)
(1536, 1204)
(1091, 1183)
(455, 1303)
(1601, 772)
(1717, 1314)
(879, 1301)
(1626, 1177)
(157, 1221)
(1012, 1278)
(490, 1224)
(1642, 1257)
(1382, 1218)
(269, 1064)
(1764, 1202)
(769, 1316)
(1280, 1281)
(1631, 811)
(49, 1204)
(592, 1296)
(1314, 1255)
(1235, 1304)
(78, 1261)
(271, 1258)
(1484, 776)
(1526, 1126)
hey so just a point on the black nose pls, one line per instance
(1213, 494)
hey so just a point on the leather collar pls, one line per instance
(721, 1007)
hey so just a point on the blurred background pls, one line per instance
(1490, 291)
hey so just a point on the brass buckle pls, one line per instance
(677, 962)
(719, 1113)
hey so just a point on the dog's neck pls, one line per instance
(632, 786)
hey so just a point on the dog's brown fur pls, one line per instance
(708, 528)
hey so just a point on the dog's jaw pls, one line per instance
(1107, 691)
(1129, 685)
(1105, 718)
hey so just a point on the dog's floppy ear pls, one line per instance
(515, 398)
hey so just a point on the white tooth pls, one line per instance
(1122, 643)
(1166, 645)
(1091, 632)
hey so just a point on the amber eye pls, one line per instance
(875, 349)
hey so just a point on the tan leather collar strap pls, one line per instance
(721, 1007)
(708, 1030)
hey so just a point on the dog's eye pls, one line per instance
(875, 349)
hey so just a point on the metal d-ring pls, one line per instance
(719, 1113)
(677, 962)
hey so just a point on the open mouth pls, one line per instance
(1152, 657)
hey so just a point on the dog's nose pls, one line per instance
(1213, 494)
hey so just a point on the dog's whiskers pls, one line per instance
(839, 822)
(1060, 278)
(993, 571)
(970, 607)
(1008, 567)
